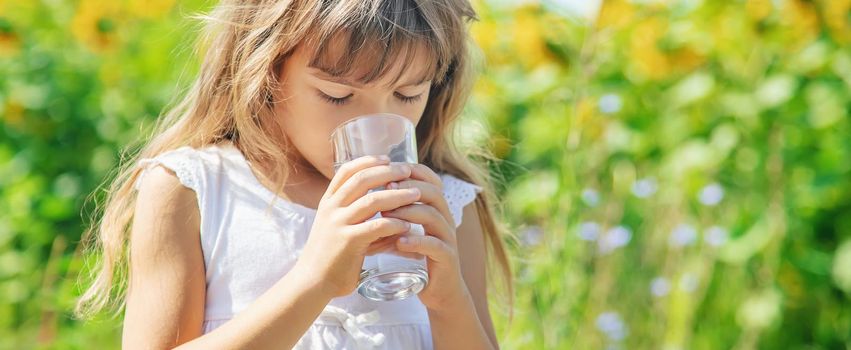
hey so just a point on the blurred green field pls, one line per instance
(678, 173)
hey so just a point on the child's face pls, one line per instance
(312, 103)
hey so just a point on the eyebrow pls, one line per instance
(330, 76)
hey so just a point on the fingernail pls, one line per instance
(394, 186)
(405, 240)
(384, 157)
(414, 192)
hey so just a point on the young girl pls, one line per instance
(199, 250)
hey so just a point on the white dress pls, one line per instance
(250, 238)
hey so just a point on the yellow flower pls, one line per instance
(9, 44)
(615, 14)
(484, 33)
(686, 59)
(758, 9)
(14, 114)
(801, 20)
(836, 14)
(528, 39)
(9, 41)
(150, 8)
(95, 24)
(647, 60)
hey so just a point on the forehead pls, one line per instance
(346, 58)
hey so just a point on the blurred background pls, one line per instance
(678, 172)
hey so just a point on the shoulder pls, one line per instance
(162, 184)
(165, 233)
(164, 199)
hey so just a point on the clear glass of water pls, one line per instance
(384, 276)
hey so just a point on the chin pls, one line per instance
(327, 172)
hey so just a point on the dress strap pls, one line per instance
(458, 194)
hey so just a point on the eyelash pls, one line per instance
(333, 100)
(408, 99)
(342, 100)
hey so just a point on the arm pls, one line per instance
(470, 327)
(164, 252)
(165, 300)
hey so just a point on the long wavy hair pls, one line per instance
(243, 44)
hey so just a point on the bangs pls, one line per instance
(366, 41)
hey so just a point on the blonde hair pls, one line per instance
(245, 43)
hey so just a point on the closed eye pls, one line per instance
(333, 100)
(408, 99)
(342, 100)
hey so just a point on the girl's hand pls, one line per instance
(446, 287)
(341, 235)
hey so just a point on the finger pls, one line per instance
(424, 173)
(382, 245)
(373, 230)
(430, 246)
(393, 241)
(431, 195)
(365, 207)
(387, 245)
(377, 228)
(425, 215)
(350, 168)
(366, 179)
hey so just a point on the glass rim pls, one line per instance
(371, 115)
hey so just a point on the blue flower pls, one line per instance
(682, 235)
(589, 231)
(611, 324)
(660, 286)
(644, 188)
(615, 238)
(711, 195)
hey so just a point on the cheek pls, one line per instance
(308, 125)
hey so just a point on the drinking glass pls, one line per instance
(384, 276)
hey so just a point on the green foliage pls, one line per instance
(678, 171)
(77, 81)
(686, 175)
